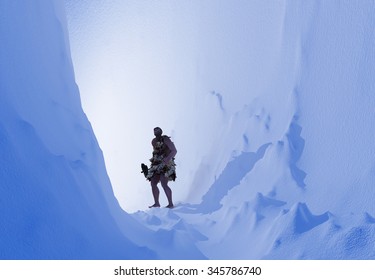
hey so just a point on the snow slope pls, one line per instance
(287, 165)
(56, 199)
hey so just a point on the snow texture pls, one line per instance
(285, 169)
(56, 199)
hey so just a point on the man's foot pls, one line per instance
(170, 206)
(155, 205)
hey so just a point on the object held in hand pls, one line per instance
(144, 169)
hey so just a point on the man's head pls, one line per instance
(158, 131)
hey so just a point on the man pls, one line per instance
(163, 168)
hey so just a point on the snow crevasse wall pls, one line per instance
(56, 200)
(310, 194)
(317, 96)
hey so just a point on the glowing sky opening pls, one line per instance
(185, 66)
(135, 69)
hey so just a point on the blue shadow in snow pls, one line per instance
(231, 176)
(296, 145)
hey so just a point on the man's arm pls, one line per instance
(172, 149)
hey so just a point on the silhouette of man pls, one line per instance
(163, 168)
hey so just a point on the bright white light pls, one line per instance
(141, 64)
(135, 70)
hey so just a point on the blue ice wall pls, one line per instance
(56, 201)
